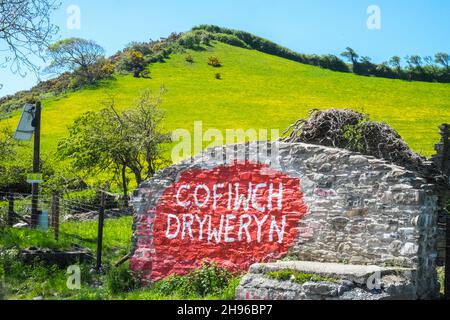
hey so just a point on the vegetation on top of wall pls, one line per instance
(209, 280)
(355, 131)
(298, 277)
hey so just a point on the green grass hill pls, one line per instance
(256, 90)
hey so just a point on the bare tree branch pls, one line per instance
(25, 32)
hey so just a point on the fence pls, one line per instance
(15, 210)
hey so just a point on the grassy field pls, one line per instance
(258, 91)
(27, 282)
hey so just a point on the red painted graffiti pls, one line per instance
(234, 215)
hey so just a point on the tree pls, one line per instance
(395, 62)
(443, 59)
(384, 70)
(351, 55)
(78, 55)
(415, 61)
(25, 31)
(112, 141)
(365, 66)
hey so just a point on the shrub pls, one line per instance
(331, 62)
(231, 40)
(132, 61)
(218, 76)
(141, 47)
(191, 40)
(214, 61)
(145, 74)
(102, 69)
(189, 59)
(120, 280)
(204, 37)
(210, 279)
(251, 41)
(348, 129)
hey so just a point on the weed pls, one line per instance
(298, 277)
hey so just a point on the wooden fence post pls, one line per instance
(101, 218)
(55, 215)
(447, 259)
(10, 210)
(36, 162)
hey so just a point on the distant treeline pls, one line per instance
(430, 69)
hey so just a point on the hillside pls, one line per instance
(257, 90)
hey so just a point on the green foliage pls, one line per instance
(189, 59)
(42, 90)
(142, 47)
(330, 62)
(431, 70)
(109, 141)
(132, 61)
(120, 280)
(418, 68)
(351, 55)
(354, 136)
(196, 38)
(102, 69)
(82, 57)
(209, 280)
(438, 72)
(230, 39)
(29, 281)
(214, 62)
(190, 40)
(249, 41)
(6, 145)
(298, 277)
(249, 73)
(14, 172)
(24, 238)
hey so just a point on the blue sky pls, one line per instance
(308, 26)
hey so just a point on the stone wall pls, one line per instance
(347, 208)
(441, 161)
(329, 281)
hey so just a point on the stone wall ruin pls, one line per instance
(336, 207)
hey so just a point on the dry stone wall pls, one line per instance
(336, 207)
